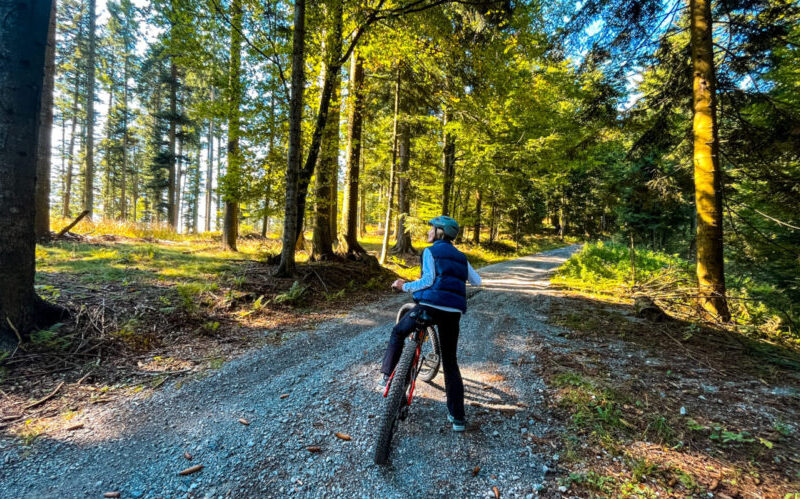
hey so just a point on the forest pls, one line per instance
(179, 171)
(516, 119)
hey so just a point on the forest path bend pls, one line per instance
(301, 393)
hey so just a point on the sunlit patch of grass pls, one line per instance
(31, 430)
(593, 409)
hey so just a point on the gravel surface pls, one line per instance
(300, 394)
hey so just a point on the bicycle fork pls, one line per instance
(414, 370)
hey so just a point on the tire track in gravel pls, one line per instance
(329, 375)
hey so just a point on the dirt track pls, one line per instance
(316, 384)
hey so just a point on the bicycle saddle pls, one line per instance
(423, 318)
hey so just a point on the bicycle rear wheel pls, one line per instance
(431, 349)
(431, 356)
(395, 401)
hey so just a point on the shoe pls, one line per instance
(381, 385)
(458, 424)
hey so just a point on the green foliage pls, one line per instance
(606, 267)
(293, 296)
(593, 408)
(592, 481)
(51, 338)
(190, 293)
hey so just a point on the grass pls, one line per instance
(603, 270)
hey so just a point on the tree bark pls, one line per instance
(476, 236)
(88, 186)
(328, 163)
(349, 239)
(290, 227)
(42, 222)
(134, 186)
(270, 158)
(179, 177)
(385, 242)
(334, 65)
(448, 164)
(493, 220)
(171, 137)
(70, 159)
(362, 213)
(209, 175)
(403, 242)
(217, 224)
(108, 188)
(123, 196)
(23, 41)
(196, 192)
(707, 173)
(233, 177)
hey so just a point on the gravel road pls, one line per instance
(300, 394)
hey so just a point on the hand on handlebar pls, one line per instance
(398, 285)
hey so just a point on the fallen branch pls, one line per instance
(320, 280)
(44, 399)
(73, 224)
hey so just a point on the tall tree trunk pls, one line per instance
(70, 159)
(171, 137)
(108, 188)
(327, 165)
(388, 219)
(220, 174)
(493, 220)
(196, 192)
(178, 179)
(290, 227)
(707, 173)
(23, 43)
(362, 213)
(476, 236)
(209, 174)
(334, 65)
(232, 181)
(270, 159)
(448, 164)
(42, 221)
(350, 243)
(134, 186)
(123, 185)
(88, 186)
(403, 242)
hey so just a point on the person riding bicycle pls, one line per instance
(442, 292)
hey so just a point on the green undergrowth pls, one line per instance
(130, 262)
(603, 270)
(635, 438)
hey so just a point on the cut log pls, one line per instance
(646, 308)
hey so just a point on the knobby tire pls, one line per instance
(430, 368)
(394, 402)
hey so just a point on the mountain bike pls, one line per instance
(420, 358)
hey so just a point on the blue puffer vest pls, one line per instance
(449, 287)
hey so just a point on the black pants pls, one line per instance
(447, 325)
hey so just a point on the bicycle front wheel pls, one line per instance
(395, 401)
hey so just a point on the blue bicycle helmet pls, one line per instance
(447, 224)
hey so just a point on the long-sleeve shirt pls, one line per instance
(428, 276)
